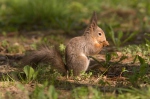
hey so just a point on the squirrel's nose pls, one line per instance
(105, 43)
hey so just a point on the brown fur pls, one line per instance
(47, 55)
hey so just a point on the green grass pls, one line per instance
(35, 12)
(133, 50)
(68, 15)
(50, 92)
(49, 13)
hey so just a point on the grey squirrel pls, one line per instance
(76, 53)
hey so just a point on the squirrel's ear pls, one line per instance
(93, 23)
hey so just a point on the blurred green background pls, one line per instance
(68, 15)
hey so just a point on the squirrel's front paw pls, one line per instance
(105, 43)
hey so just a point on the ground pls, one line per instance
(111, 71)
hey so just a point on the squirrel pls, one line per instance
(77, 51)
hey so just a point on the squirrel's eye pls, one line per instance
(99, 34)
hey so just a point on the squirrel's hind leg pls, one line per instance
(79, 65)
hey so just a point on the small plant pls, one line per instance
(86, 93)
(118, 39)
(7, 78)
(123, 70)
(5, 43)
(147, 41)
(16, 49)
(40, 92)
(30, 73)
(33, 46)
(143, 67)
(108, 58)
(52, 94)
(80, 93)
(53, 77)
(134, 93)
(139, 74)
(85, 75)
(62, 47)
(103, 82)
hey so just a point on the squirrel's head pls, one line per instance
(95, 32)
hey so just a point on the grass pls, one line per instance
(50, 84)
(50, 92)
(30, 13)
(133, 50)
(121, 38)
(69, 15)
(48, 13)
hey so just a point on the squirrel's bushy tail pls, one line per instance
(46, 55)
